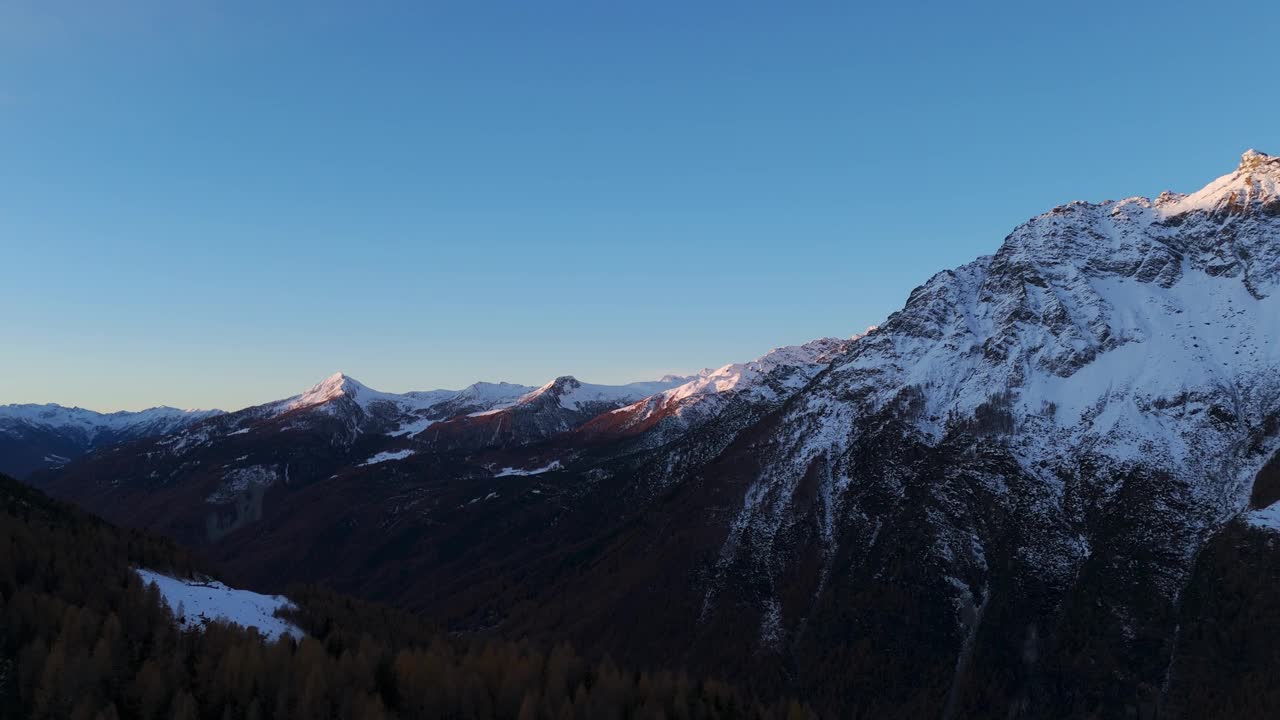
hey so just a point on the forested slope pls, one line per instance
(83, 638)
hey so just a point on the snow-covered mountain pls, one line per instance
(36, 437)
(409, 412)
(1100, 341)
(1072, 417)
(230, 464)
(1004, 493)
(560, 406)
(232, 461)
(765, 381)
(347, 409)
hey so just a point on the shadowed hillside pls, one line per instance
(83, 638)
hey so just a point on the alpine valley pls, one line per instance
(1045, 487)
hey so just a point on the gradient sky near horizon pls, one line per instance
(215, 204)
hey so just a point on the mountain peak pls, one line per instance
(559, 386)
(1255, 183)
(340, 382)
(331, 388)
(1252, 161)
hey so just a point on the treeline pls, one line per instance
(83, 638)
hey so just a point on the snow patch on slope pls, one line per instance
(510, 471)
(1267, 518)
(387, 457)
(195, 604)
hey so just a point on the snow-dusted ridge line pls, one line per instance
(412, 412)
(742, 376)
(771, 378)
(339, 385)
(195, 604)
(573, 394)
(94, 423)
(512, 472)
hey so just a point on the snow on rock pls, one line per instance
(413, 427)
(573, 394)
(1267, 518)
(1255, 181)
(1101, 327)
(510, 471)
(772, 378)
(387, 457)
(748, 376)
(195, 604)
(339, 385)
(487, 393)
(409, 413)
(434, 406)
(473, 501)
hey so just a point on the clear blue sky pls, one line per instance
(218, 203)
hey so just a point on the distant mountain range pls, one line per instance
(1016, 497)
(38, 437)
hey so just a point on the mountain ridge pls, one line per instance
(1000, 492)
(35, 437)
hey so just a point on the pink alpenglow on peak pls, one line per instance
(1254, 183)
